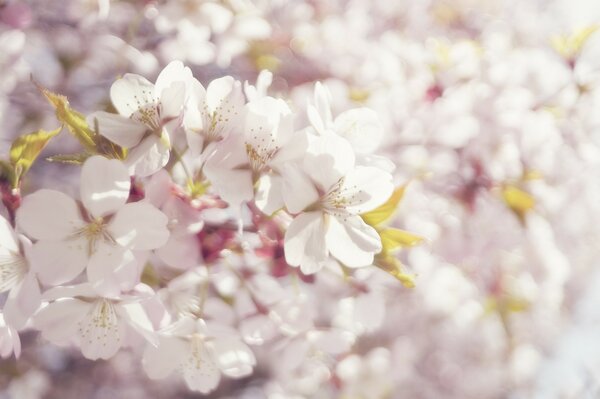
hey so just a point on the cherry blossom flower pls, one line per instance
(105, 235)
(98, 325)
(212, 113)
(147, 115)
(256, 156)
(200, 352)
(328, 193)
(17, 277)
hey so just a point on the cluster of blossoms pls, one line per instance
(189, 166)
(220, 228)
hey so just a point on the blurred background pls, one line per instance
(491, 110)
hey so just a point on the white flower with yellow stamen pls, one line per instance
(200, 352)
(99, 325)
(328, 192)
(16, 277)
(102, 235)
(147, 114)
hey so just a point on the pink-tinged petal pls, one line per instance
(181, 252)
(22, 302)
(121, 130)
(159, 362)
(112, 269)
(305, 242)
(135, 316)
(232, 356)
(200, 371)
(139, 226)
(104, 185)
(101, 331)
(149, 156)
(57, 262)
(59, 321)
(8, 239)
(365, 188)
(158, 189)
(329, 157)
(361, 127)
(131, 93)
(298, 191)
(48, 215)
(352, 241)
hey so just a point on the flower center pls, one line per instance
(94, 232)
(149, 115)
(100, 323)
(260, 156)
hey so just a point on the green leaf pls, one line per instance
(77, 125)
(392, 239)
(25, 150)
(392, 266)
(385, 211)
(74, 159)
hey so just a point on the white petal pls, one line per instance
(305, 242)
(172, 100)
(366, 187)
(48, 215)
(329, 157)
(130, 93)
(119, 129)
(139, 226)
(269, 195)
(149, 156)
(233, 357)
(57, 262)
(221, 90)
(182, 252)
(101, 331)
(136, 317)
(298, 191)
(112, 269)
(8, 238)
(361, 127)
(104, 186)
(228, 172)
(200, 371)
(174, 72)
(59, 320)
(352, 241)
(22, 302)
(159, 362)
(9, 340)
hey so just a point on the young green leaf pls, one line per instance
(25, 150)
